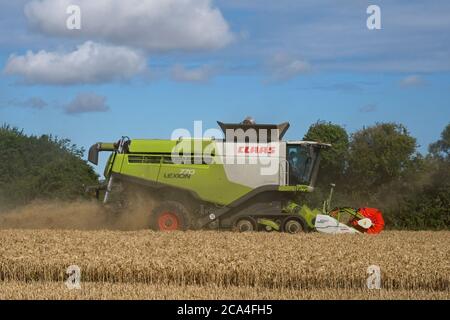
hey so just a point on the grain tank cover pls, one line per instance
(262, 130)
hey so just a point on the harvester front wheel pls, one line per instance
(169, 216)
(292, 226)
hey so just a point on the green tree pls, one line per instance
(333, 161)
(425, 201)
(42, 167)
(379, 155)
(441, 148)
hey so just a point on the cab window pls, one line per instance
(301, 159)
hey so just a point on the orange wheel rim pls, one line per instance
(168, 221)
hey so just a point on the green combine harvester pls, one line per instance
(249, 181)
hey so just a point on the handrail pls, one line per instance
(285, 172)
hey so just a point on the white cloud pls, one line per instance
(283, 67)
(412, 81)
(89, 63)
(183, 74)
(85, 103)
(154, 25)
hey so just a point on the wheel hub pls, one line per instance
(244, 226)
(168, 221)
(293, 226)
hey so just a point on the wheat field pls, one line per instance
(222, 265)
(140, 291)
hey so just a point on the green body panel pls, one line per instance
(269, 224)
(144, 145)
(148, 172)
(304, 211)
(208, 181)
(309, 215)
(196, 146)
(117, 161)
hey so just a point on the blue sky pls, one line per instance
(144, 68)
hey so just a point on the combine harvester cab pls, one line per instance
(248, 181)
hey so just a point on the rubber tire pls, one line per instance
(291, 220)
(174, 207)
(244, 220)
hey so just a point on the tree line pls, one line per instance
(380, 166)
(40, 167)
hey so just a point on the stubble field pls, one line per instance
(222, 265)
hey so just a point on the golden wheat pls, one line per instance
(103, 290)
(408, 260)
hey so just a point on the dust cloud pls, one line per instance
(79, 215)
